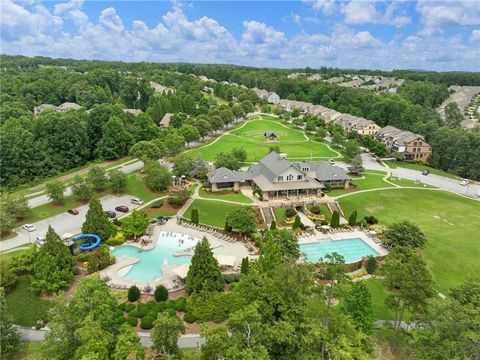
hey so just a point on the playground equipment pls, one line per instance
(89, 245)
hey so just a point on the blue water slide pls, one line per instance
(88, 245)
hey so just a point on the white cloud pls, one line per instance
(438, 14)
(72, 11)
(365, 12)
(475, 37)
(325, 6)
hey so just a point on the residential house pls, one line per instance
(275, 177)
(165, 122)
(133, 111)
(37, 110)
(272, 98)
(412, 146)
(68, 106)
(355, 123)
(161, 89)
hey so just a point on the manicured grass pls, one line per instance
(25, 306)
(9, 255)
(369, 180)
(136, 187)
(226, 195)
(379, 294)
(48, 210)
(450, 222)
(28, 351)
(419, 167)
(250, 137)
(280, 215)
(211, 212)
(408, 182)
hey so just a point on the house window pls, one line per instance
(290, 177)
(280, 178)
(299, 177)
(305, 169)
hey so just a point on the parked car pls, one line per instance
(136, 201)
(40, 239)
(111, 214)
(331, 161)
(29, 227)
(425, 172)
(73, 211)
(122, 208)
(464, 182)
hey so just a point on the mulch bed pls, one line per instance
(165, 207)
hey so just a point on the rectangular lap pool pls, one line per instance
(351, 249)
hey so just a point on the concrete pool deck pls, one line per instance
(169, 279)
(344, 235)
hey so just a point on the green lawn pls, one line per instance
(9, 255)
(226, 195)
(250, 138)
(408, 182)
(137, 188)
(25, 306)
(379, 294)
(451, 223)
(420, 167)
(211, 212)
(369, 180)
(280, 215)
(28, 351)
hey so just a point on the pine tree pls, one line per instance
(371, 264)
(53, 265)
(9, 337)
(245, 268)
(273, 225)
(335, 221)
(194, 216)
(204, 273)
(297, 223)
(96, 221)
(352, 220)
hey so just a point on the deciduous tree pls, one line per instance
(242, 219)
(157, 177)
(55, 191)
(166, 331)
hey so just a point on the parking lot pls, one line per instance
(65, 223)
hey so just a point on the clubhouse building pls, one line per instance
(276, 177)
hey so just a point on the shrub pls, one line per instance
(153, 314)
(121, 306)
(371, 264)
(116, 222)
(290, 212)
(132, 321)
(116, 240)
(157, 204)
(170, 304)
(151, 304)
(352, 220)
(143, 310)
(245, 268)
(129, 307)
(228, 227)
(315, 209)
(181, 304)
(134, 313)
(171, 312)
(161, 293)
(231, 278)
(178, 198)
(119, 312)
(297, 224)
(83, 257)
(76, 270)
(189, 318)
(146, 323)
(194, 216)
(371, 220)
(335, 221)
(161, 306)
(273, 225)
(133, 293)
(120, 320)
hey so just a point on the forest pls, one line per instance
(54, 142)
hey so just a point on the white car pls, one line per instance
(464, 182)
(40, 239)
(136, 201)
(331, 161)
(29, 227)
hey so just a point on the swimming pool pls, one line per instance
(150, 265)
(351, 249)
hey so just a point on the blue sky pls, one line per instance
(436, 35)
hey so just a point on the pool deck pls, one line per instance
(344, 235)
(169, 279)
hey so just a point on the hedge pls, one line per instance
(132, 321)
(161, 293)
(134, 313)
(189, 318)
(171, 312)
(121, 306)
(129, 307)
(147, 323)
(120, 320)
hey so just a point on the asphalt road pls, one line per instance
(64, 223)
(184, 342)
(44, 199)
(453, 185)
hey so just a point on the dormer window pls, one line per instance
(305, 169)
